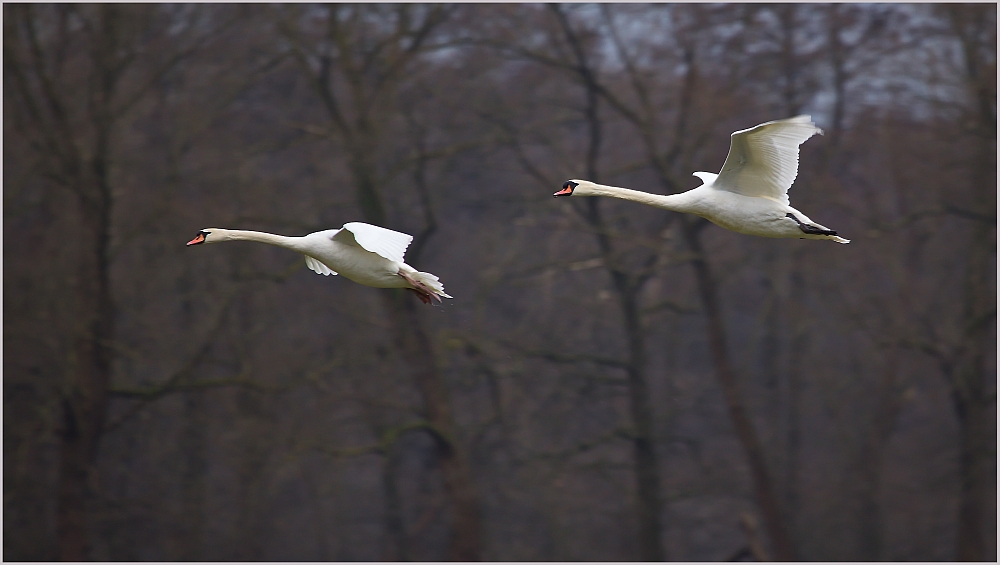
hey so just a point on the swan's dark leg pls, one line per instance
(425, 294)
(809, 228)
(425, 298)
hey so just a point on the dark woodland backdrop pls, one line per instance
(611, 381)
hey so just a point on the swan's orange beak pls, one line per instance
(567, 189)
(200, 238)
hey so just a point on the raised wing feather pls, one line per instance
(764, 160)
(385, 242)
(319, 267)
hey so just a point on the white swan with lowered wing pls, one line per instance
(366, 254)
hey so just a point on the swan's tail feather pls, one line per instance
(426, 285)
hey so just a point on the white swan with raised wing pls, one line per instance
(749, 195)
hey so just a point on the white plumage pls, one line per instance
(387, 243)
(750, 193)
(318, 267)
(763, 161)
(366, 254)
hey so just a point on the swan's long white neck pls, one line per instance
(676, 202)
(219, 235)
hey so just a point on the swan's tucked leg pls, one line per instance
(809, 228)
(423, 291)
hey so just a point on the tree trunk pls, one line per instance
(360, 135)
(74, 470)
(970, 398)
(764, 492)
(837, 63)
(789, 63)
(647, 469)
(194, 442)
(969, 390)
(974, 448)
(396, 548)
(796, 352)
(870, 530)
(649, 503)
(416, 349)
(86, 400)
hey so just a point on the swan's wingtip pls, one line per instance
(839, 239)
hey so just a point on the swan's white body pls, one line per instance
(366, 254)
(750, 194)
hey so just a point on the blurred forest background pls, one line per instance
(611, 381)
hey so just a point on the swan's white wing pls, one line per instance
(319, 267)
(764, 160)
(387, 243)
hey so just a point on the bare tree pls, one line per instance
(964, 366)
(645, 120)
(71, 119)
(570, 49)
(357, 76)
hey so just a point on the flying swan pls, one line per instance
(364, 253)
(749, 195)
